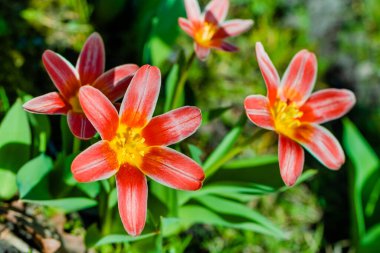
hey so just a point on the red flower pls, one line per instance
(134, 145)
(209, 28)
(67, 79)
(295, 114)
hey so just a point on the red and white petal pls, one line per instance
(216, 11)
(326, 105)
(257, 109)
(62, 73)
(99, 111)
(172, 127)
(233, 28)
(97, 162)
(50, 103)
(91, 61)
(321, 144)
(291, 159)
(225, 46)
(201, 52)
(193, 11)
(186, 26)
(141, 97)
(132, 195)
(299, 78)
(115, 82)
(80, 126)
(172, 168)
(269, 72)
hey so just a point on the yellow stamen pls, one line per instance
(129, 145)
(75, 105)
(205, 33)
(286, 117)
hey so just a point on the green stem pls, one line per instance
(181, 83)
(76, 145)
(105, 211)
(173, 203)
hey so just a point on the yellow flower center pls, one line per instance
(205, 33)
(286, 117)
(75, 105)
(129, 145)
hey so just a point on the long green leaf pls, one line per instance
(121, 239)
(370, 243)
(68, 205)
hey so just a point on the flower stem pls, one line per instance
(76, 145)
(105, 212)
(181, 83)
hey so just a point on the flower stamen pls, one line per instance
(204, 34)
(286, 117)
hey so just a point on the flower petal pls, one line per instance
(326, 105)
(173, 126)
(186, 26)
(141, 97)
(91, 61)
(172, 168)
(62, 73)
(201, 52)
(115, 82)
(102, 114)
(225, 46)
(216, 11)
(321, 144)
(192, 10)
(269, 72)
(257, 109)
(291, 159)
(50, 103)
(132, 195)
(233, 28)
(80, 126)
(299, 78)
(97, 162)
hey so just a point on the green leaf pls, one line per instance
(32, 173)
(91, 189)
(250, 162)
(68, 205)
(8, 184)
(170, 86)
(370, 243)
(195, 153)
(122, 239)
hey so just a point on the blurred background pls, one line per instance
(332, 212)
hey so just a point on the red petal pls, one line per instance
(102, 114)
(172, 168)
(225, 46)
(299, 77)
(216, 11)
(326, 105)
(115, 82)
(80, 126)
(97, 162)
(50, 103)
(91, 60)
(141, 97)
(233, 28)
(186, 26)
(291, 159)
(257, 109)
(321, 144)
(132, 194)
(192, 10)
(62, 73)
(269, 72)
(201, 52)
(173, 126)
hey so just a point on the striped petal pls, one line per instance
(97, 162)
(115, 82)
(172, 168)
(291, 159)
(216, 11)
(201, 52)
(62, 73)
(91, 61)
(50, 103)
(269, 72)
(193, 11)
(80, 126)
(326, 105)
(132, 195)
(102, 114)
(173, 126)
(257, 109)
(233, 28)
(225, 46)
(321, 144)
(299, 78)
(141, 97)
(186, 26)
